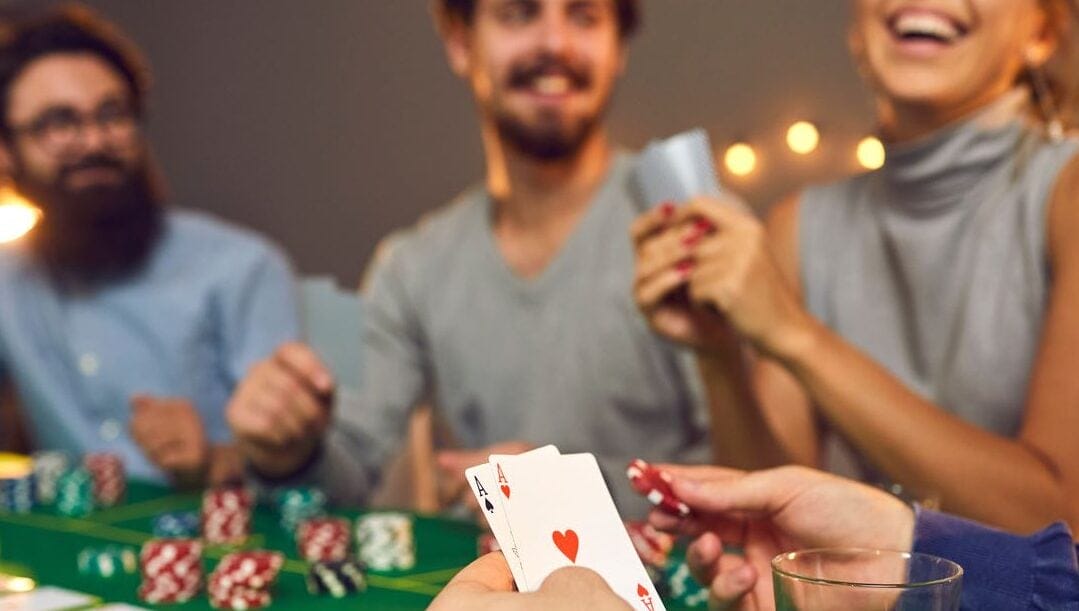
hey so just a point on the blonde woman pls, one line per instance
(916, 325)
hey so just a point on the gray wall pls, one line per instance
(328, 123)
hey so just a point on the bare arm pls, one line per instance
(1019, 484)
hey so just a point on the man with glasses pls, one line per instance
(124, 324)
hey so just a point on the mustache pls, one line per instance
(92, 162)
(522, 75)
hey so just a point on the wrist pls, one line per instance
(798, 342)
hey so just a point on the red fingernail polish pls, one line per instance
(703, 225)
(690, 239)
(666, 209)
(684, 267)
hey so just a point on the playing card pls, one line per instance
(483, 481)
(677, 169)
(561, 513)
(46, 598)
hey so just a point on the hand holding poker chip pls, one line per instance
(655, 486)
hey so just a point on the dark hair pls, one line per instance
(629, 13)
(68, 29)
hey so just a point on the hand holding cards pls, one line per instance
(549, 511)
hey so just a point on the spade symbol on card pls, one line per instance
(488, 506)
(567, 543)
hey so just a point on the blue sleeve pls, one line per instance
(1002, 570)
(259, 312)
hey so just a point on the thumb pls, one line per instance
(140, 401)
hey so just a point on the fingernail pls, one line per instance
(684, 267)
(666, 210)
(703, 226)
(743, 577)
(690, 239)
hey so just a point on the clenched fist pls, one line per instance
(281, 409)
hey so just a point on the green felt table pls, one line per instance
(44, 546)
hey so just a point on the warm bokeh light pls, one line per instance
(740, 159)
(16, 585)
(871, 153)
(803, 137)
(17, 215)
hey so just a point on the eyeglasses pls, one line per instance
(61, 128)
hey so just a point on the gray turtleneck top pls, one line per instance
(936, 266)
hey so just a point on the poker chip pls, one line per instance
(109, 561)
(171, 570)
(226, 515)
(17, 493)
(75, 493)
(655, 485)
(323, 539)
(177, 524)
(48, 467)
(385, 541)
(337, 579)
(652, 545)
(485, 544)
(681, 587)
(296, 505)
(242, 580)
(109, 480)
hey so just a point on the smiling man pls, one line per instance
(124, 325)
(510, 308)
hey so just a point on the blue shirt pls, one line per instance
(1001, 570)
(211, 300)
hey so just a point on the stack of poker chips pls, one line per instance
(75, 493)
(338, 578)
(49, 466)
(182, 524)
(171, 570)
(296, 505)
(108, 561)
(226, 515)
(654, 548)
(16, 485)
(242, 580)
(385, 541)
(323, 539)
(110, 483)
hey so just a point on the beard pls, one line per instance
(548, 138)
(97, 233)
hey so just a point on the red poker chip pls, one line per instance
(253, 569)
(653, 546)
(253, 599)
(654, 485)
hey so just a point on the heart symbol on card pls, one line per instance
(567, 543)
(506, 491)
(642, 591)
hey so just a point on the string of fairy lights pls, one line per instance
(18, 216)
(803, 138)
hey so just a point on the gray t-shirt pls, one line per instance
(564, 358)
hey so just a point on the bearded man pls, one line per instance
(124, 324)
